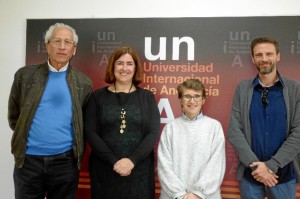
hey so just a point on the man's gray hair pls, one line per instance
(49, 32)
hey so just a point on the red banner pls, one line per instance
(214, 50)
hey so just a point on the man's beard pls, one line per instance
(266, 70)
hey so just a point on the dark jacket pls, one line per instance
(26, 93)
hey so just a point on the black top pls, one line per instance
(102, 128)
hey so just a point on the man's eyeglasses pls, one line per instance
(264, 97)
(58, 42)
(188, 98)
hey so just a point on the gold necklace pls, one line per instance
(123, 121)
(123, 112)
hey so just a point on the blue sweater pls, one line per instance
(51, 131)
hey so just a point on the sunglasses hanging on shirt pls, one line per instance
(264, 96)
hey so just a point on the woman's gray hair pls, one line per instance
(49, 32)
(193, 84)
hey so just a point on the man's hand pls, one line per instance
(262, 174)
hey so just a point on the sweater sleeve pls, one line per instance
(212, 174)
(237, 134)
(99, 147)
(169, 181)
(291, 147)
(151, 120)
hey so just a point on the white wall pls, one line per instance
(13, 15)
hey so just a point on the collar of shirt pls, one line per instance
(257, 82)
(51, 68)
(198, 117)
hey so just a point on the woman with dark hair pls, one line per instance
(122, 125)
